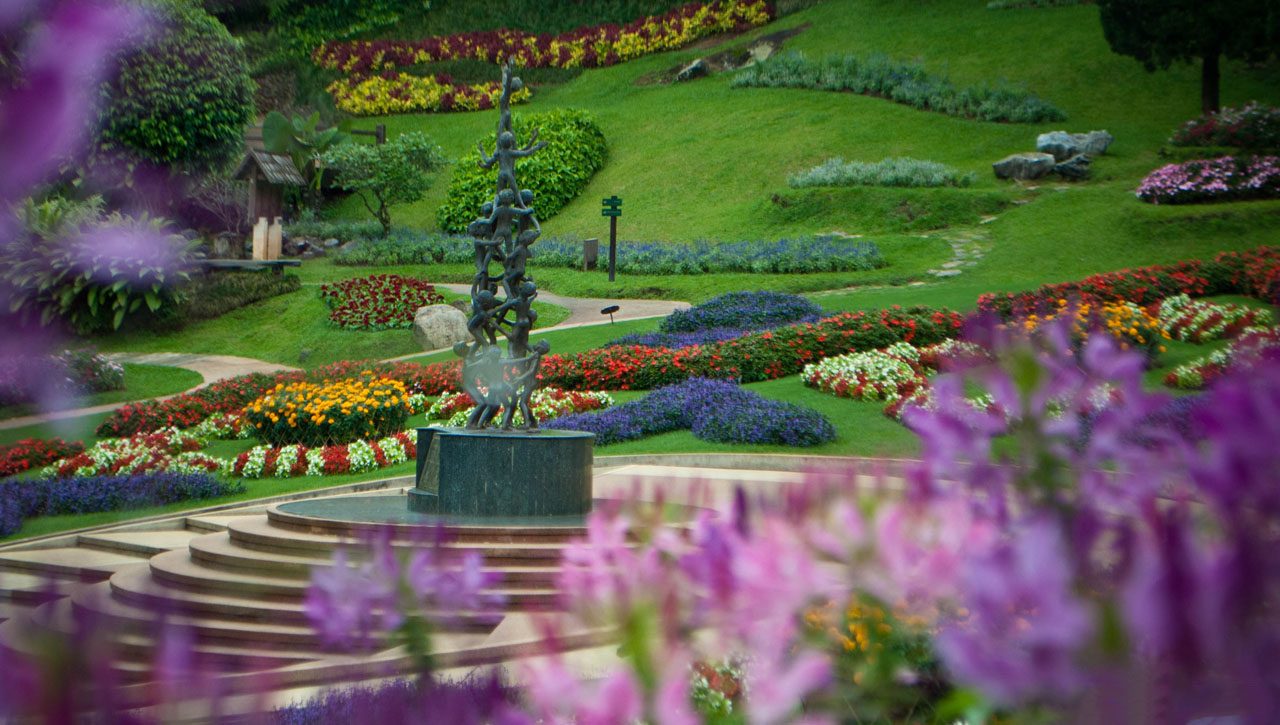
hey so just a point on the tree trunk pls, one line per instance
(1209, 77)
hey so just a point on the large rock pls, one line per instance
(696, 69)
(1076, 167)
(227, 245)
(1023, 166)
(1065, 145)
(437, 326)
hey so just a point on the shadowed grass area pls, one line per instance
(140, 383)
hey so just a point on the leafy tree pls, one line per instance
(395, 172)
(300, 139)
(1160, 32)
(182, 96)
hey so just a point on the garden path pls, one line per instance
(582, 311)
(212, 367)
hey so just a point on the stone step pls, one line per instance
(139, 543)
(213, 523)
(32, 589)
(329, 529)
(142, 649)
(69, 561)
(178, 569)
(9, 610)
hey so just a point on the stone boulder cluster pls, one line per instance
(1057, 152)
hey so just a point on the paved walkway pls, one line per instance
(582, 312)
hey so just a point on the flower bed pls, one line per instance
(331, 412)
(758, 356)
(886, 374)
(546, 403)
(31, 453)
(299, 460)
(1222, 179)
(714, 410)
(724, 318)
(395, 92)
(377, 302)
(71, 372)
(1200, 322)
(166, 450)
(23, 498)
(231, 395)
(588, 47)
(1255, 273)
(1251, 346)
(1131, 325)
(1253, 125)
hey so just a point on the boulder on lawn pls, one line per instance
(1076, 167)
(1025, 166)
(1065, 145)
(437, 326)
(696, 69)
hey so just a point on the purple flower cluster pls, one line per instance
(1225, 178)
(715, 410)
(472, 701)
(25, 498)
(749, 310)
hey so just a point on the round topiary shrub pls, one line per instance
(182, 96)
(575, 151)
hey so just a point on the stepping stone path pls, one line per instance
(967, 247)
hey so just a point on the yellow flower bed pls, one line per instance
(1131, 325)
(331, 412)
(394, 92)
(597, 46)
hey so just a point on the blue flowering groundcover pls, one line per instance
(22, 498)
(726, 317)
(715, 410)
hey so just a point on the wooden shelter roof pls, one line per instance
(278, 168)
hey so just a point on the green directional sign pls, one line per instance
(612, 207)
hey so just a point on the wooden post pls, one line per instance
(380, 133)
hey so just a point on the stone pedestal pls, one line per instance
(502, 473)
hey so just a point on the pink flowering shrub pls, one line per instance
(1253, 125)
(1226, 178)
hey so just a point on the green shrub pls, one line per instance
(182, 97)
(217, 293)
(394, 172)
(906, 83)
(92, 281)
(575, 151)
(1019, 4)
(405, 246)
(305, 24)
(344, 230)
(899, 171)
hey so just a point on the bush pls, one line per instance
(890, 172)
(330, 412)
(22, 498)
(714, 410)
(216, 294)
(1020, 4)
(575, 151)
(749, 310)
(1253, 126)
(795, 255)
(68, 373)
(93, 280)
(1207, 180)
(546, 403)
(678, 340)
(888, 374)
(1201, 322)
(298, 460)
(306, 23)
(344, 230)
(395, 172)
(377, 302)
(904, 83)
(182, 97)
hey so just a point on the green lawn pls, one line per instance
(141, 382)
(702, 160)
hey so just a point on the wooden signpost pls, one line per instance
(613, 210)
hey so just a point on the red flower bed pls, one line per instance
(377, 302)
(31, 453)
(588, 47)
(759, 356)
(1255, 273)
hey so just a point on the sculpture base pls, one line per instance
(502, 473)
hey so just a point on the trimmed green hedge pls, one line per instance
(575, 151)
